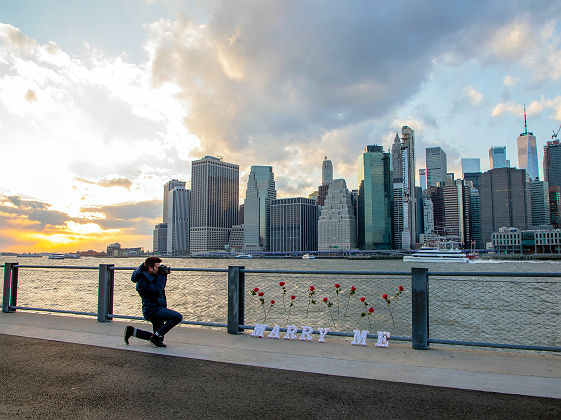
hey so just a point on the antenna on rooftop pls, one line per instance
(525, 126)
(554, 135)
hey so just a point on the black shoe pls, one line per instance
(129, 331)
(157, 341)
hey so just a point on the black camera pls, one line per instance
(164, 269)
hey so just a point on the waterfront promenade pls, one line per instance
(209, 373)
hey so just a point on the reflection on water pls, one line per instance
(499, 309)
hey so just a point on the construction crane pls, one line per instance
(554, 135)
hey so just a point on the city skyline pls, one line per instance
(93, 122)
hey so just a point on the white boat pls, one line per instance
(72, 256)
(56, 257)
(308, 257)
(244, 256)
(433, 255)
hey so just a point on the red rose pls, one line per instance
(312, 288)
(272, 302)
(292, 297)
(261, 294)
(385, 296)
(282, 283)
(362, 299)
(256, 289)
(401, 288)
(325, 299)
(353, 289)
(371, 310)
(337, 285)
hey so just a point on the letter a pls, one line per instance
(259, 330)
(275, 332)
(360, 337)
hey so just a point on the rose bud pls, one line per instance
(292, 297)
(325, 299)
(362, 299)
(401, 288)
(272, 302)
(282, 283)
(337, 285)
(385, 296)
(353, 289)
(371, 310)
(256, 289)
(261, 294)
(312, 288)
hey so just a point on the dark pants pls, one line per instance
(162, 321)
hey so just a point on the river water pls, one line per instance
(505, 309)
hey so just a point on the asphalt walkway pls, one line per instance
(56, 366)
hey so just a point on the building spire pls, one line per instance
(525, 125)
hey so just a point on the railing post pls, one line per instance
(105, 292)
(420, 308)
(236, 299)
(10, 293)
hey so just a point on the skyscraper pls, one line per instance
(178, 221)
(436, 166)
(538, 192)
(457, 197)
(423, 178)
(552, 163)
(374, 199)
(294, 225)
(257, 208)
(497, 157)
(337, 222)
(475, 218)
(503, 199)
(527, 152)
(160, 244)
(405, 213)
(326, 178)
(214, 203)
(168, 186)
(470, 165)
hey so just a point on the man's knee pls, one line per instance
(179, 318)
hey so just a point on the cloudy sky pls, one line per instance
(103, 102)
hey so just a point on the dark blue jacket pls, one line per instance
(151, 289)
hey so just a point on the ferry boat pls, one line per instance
(308, 257)
(433, 255)
(30, 255)
(71, 256)
(244, 256)
(56, 257)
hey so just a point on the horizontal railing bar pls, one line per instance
(211, 270)
(490, 274)
(500, 281)
(355, 273)
(205, 324)
(334, 333)
(59, 266)
(61, 311)
(495, 345)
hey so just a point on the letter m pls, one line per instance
(259, 330)
(360, 337)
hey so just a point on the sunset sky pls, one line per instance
(102, 102)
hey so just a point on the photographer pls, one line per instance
(150, 279)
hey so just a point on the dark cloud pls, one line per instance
(282, 72)
(38, 213)
(108, 183)
(127, 211)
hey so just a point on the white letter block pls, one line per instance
(360, 337)
(306, 333)
(383, 339)
(275, 332)
(259, 330)
(291, 331)
(322, 334)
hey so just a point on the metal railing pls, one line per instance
(484, 309)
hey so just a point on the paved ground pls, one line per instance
(41, 378)
(59, 366)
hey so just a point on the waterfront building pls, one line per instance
(326, 178)
(428, 216)
(294, 223)
(497, 157)
(527, 152)
(337, 222)
(517, 241)
(214, 203)
(160, 240)
(456, 197)
(437, 199)
(475, 218)
(423, 178)
(538, 192)
(177, 218)
(260, 193)
(405, 212)
(436, 166)
(168, 186)
(555, 206)
(241, 214)
(503, 198)
(235, 240)
(374, 199)
(552, 163)
(420, 228)
(470, 165)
